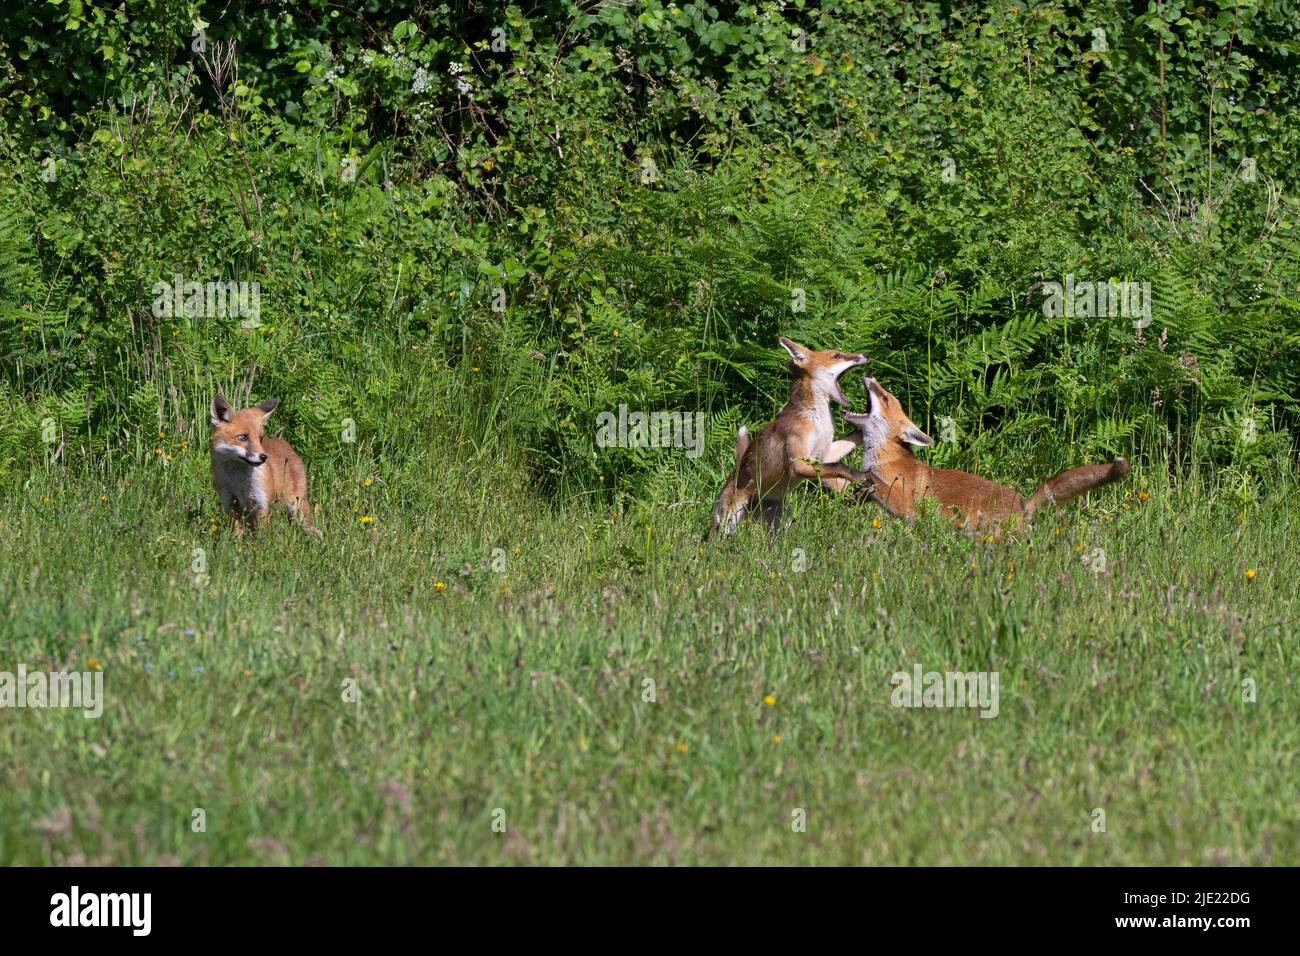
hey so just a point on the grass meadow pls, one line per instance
(450, 238)
(501, 652)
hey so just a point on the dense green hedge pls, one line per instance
(656, 190)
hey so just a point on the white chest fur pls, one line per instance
(820, 432)
(875, 430)
(239, 484)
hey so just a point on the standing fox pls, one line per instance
(251, 472)
(798, 446)
(899, 479)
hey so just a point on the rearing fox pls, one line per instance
(899, 479)
(798, 446)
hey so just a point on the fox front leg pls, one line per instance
(895, 497)
(805, 468)
(247, 516)
(835, 454)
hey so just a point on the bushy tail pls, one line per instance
(742, 444)
(1069, 485)
(723, 508)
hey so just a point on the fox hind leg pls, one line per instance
(772, 511)
(300, 508)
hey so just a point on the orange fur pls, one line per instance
(798, 446)
(900, 480)
(251, 472)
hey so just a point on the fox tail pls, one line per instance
(1069, 485)
(725, 515)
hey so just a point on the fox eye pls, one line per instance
(242, 437)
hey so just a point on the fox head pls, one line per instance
(238, 434)
(884, 423)
(822, 368)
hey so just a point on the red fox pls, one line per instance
(899, 479)
(251, 472)
(798, 446)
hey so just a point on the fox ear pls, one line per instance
(797, 351)
(220, 410)
(269, 406)
(914, 436)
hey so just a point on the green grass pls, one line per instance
(523, 689)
